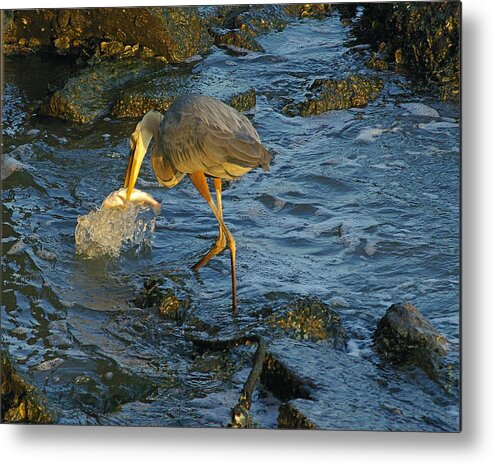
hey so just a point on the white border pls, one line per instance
(40, 444)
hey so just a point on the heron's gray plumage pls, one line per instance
(200, 133)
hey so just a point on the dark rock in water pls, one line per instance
(21, 401)
(377, 63)
(404, 336)
(308, 10)
(347, 11)
(421, 36)
(282, 381)
(243, 101)
(260, 19)
(91, 92)
(161, 295)
(291, 418)
(311, 319)
(236, 39)
(171, 33)
(328, 94)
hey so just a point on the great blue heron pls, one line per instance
(199, 136)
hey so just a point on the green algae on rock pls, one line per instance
(311, 319)
(328, 94)
(172, 33)
(21, 401)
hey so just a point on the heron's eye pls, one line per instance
(132, 142)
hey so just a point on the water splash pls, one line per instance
(111, 231)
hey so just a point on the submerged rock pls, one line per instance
(421, 36)
(172, 33)
(328, 94)
(161, 295)
(311, 319)
(21, 401)
(405, 337)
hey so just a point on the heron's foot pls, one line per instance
(217, 248)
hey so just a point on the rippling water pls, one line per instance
(361, 208)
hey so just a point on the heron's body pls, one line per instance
(199, 136)
(200, 133)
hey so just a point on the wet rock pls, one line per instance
(21, 401)
(236, 40)
(260, 19)
(90, 93)
(405, 337)
(133, 104)
(172, 33)
(309, 10)
(136, 105)
(311, 319)
(423, 37)
(243, 101)
(162, 295)
(291, 418)
(328, 94)
(342, 392)
(377, 63)
(283, 382)
(347, 11)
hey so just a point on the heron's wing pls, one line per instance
(203, 134)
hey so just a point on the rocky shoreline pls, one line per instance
(122, 47)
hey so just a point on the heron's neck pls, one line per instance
(149, 128)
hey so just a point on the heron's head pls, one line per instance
(140, 139)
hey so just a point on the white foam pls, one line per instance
(111, 231)
(10, 165)
(370, 134)
(420, 109)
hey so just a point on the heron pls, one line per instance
(203, 138)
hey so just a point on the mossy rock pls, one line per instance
(236, 39)
(328, 94)
(135, 104)
(311, 319)
(21, 401)
(90, 93)
(309, 10)
(172, 33)
(243, 101)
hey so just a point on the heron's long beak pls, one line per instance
(137, 153)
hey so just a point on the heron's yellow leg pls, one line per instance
(225, 236)
(220, 243)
